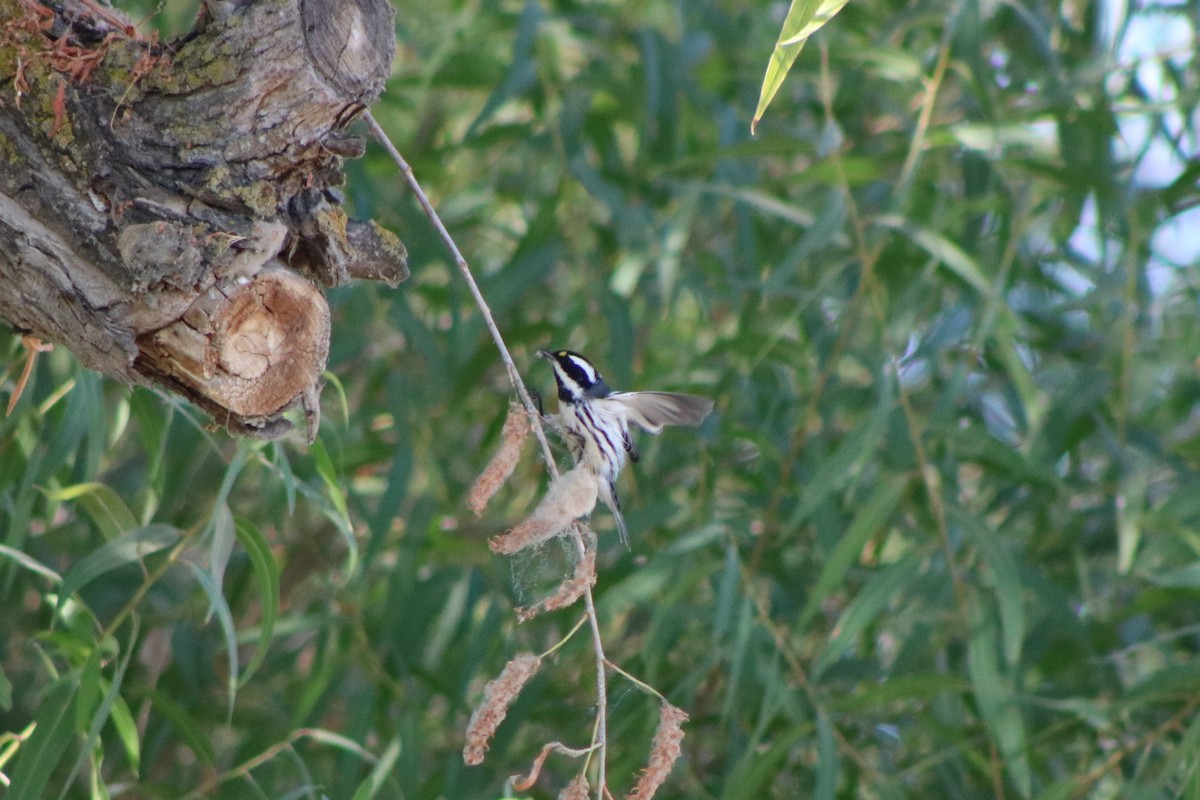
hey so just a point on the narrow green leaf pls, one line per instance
(5, 691)
(991, 138)
(97, 787)
(266, 574)
(757, 767)
(325, 469)
(804, 18)
(1179, 578)
(220, 544)
(767, 204)
(369, 788)
(225, 619)
(874, 514)
(93, 721)
(727, 593)
(447, 622)
(944, 250)
(1005, 579)
(912, 688)
(1163, 684)
(89, 688)
(740, 657)
(46, 746)
(995, 696)
(894, 64)
(152, 422)
(127, 732)
(885, 588)
(30, 563)
(20, 507)
(343, 404)
(1008, 348)
(126, 549)
(219, 532)
(522, 70)
(1065, 789)
(185, 726)
(95, 411)
(839, 468)
(827, 759)
(340, 513)
(341, 742)
(103, 506)
(69, 434)
(284, 465)
(1130, 507)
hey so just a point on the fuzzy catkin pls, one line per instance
(569, 497)
(576, 789)
(498, 470)
(498, 695)
(664, 752)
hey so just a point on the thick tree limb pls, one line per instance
(168, 212)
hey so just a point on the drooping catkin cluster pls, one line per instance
(664, 752)
(516, 428)
(569, 497)
(498, 695)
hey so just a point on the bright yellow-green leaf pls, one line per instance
(102, 503)
(804, 18)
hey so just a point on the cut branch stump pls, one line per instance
(170, 212)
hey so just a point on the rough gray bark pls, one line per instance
(168, 212)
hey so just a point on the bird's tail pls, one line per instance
(621, 529)
(608, 493)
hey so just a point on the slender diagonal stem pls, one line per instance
(535, 418)
(465, 269)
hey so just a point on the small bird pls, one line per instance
(595, 420)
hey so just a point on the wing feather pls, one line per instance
(650, 411)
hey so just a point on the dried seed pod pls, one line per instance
(664, 752)
(569, 497)
(576, 789)
(498, 470)
(498, 695)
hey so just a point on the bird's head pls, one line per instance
(577, 378)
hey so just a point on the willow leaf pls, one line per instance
(804, 18)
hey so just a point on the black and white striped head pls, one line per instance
(577, 378)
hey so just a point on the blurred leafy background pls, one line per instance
(940, 539)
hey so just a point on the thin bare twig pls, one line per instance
(535, 419)
(33, 346)
(484, 308)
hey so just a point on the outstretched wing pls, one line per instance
(650, 411)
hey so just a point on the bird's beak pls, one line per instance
(545, 354)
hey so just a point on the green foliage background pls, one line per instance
(941, 537)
